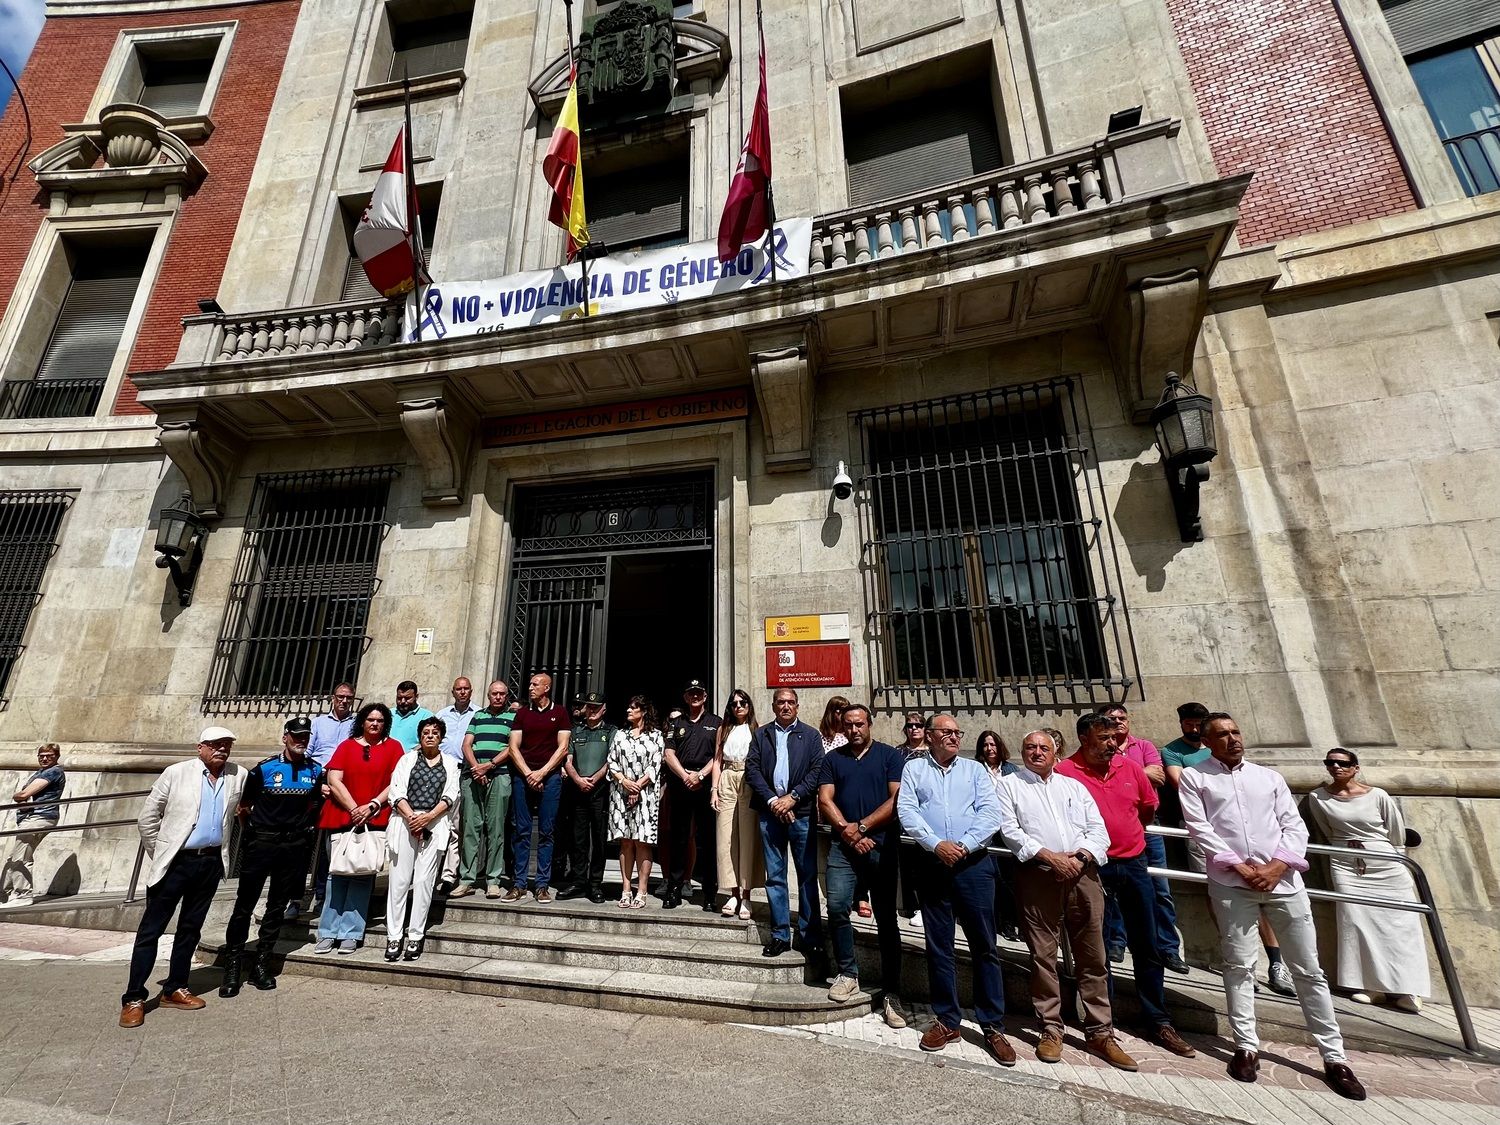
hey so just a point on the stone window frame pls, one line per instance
(41, 287)
(376, 86)
(123, 67)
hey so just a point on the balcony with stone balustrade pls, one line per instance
(1111, 235)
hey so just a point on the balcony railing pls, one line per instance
(50, 398)
(1128, 163)
(1476, 159)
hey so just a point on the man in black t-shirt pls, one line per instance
(689, 765)
(857, 797)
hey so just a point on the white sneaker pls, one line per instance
(843, 989)
(1361, 997)
(19, 900)
(1411, 1004)
(891, 1010)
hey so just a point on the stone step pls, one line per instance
(688, 922)
(649, 951)
(719, 1001)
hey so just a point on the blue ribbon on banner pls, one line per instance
(432, 301)
(778, 249)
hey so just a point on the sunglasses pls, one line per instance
(913, 726)
(1336, 764)
(738, 703)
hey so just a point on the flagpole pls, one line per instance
(572, 77)
(760, 33)
(418, 265)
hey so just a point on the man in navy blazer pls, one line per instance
(786, 760)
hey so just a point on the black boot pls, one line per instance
(260, 972)
(231, 985)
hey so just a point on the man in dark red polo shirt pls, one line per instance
(539, 746)
(1127, 803)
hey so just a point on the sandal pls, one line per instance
(745, 909)
(637, 901)
(863, 910)
(625, 901)
(730, 907)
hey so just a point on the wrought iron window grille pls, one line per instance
(29, 524)
(295, 622)
(990, 572)
(669, 511)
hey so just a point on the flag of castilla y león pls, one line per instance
(383, 238)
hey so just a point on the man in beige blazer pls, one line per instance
(185, 827)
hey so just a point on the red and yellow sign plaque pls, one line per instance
(590, 421)
(809, 665)
(807, 627)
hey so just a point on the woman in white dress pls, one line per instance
(741, 862)
(1380, 951)
(634, 765)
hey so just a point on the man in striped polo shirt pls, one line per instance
(485, 793)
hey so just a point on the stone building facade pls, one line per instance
(1005, 268)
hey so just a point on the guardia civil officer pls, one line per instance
(587, 790)
(282, 799)
(689, 761)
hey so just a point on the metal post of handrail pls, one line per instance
(135, 872)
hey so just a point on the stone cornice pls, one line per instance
(60, 8)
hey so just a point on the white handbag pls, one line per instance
(359, 851)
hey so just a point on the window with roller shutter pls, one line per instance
(640, 207)
(907, 146)
(356, 286)
(429, 46)
(174, 87)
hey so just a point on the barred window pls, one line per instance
(990, 570)
(299, 600)
(29, 523)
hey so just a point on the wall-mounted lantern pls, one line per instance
(179, 545)
(1184, 422)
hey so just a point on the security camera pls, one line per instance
(843, 487)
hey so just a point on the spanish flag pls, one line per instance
(563, 169)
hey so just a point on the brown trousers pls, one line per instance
(1048, 907)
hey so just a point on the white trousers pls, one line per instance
(450, 854)
(1238, 910)
(413, 873)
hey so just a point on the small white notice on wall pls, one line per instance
(423, 647)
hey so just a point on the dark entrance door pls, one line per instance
(612, 588)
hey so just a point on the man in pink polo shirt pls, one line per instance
(1127, 802)
(1164, 911)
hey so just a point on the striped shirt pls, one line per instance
(491, 732)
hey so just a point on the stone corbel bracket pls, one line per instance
(1154, 327)
(440, 425)
(783, 366)
(205, 453)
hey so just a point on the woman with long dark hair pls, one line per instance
(992, 753)
(741, 862)
(359, 780)
(634, 765)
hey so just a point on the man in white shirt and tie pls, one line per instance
(184, 825)
(1243, 818)
(1053, 826)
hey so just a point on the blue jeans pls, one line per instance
(875, 872)
(965, 892)
(346, 909)
(1164, 909)
(776, 837)
(1128, 886)
(528, 803)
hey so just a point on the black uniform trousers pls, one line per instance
(281, 858)
(693, 814)
(590, 832)
(190, 882)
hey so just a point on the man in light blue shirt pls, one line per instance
(331, 729)
(456, 719)
(948, 805)
(407, 715)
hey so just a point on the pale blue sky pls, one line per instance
(20, 23)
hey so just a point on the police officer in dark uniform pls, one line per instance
(689, 766)
(279, 811)
(588, 751)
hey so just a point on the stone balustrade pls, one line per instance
(1127, 163)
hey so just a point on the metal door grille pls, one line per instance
(29, 522)
(557, 625)
(666, 511)
(990, 572)
(295, 623)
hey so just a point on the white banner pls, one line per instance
(632, 281)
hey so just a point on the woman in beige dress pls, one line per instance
(741, 866)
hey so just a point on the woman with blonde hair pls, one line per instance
(38, 799)
(741, 863)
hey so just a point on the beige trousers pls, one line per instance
(741, 861)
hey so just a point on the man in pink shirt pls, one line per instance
(1164, 911)
(1127, 802)
(1243, 817)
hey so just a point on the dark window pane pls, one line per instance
(29, 523)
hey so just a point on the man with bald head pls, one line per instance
(484, 791)
(456, 719)
(538, 748)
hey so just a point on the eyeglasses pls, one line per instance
(943, 733)
(1336, 764)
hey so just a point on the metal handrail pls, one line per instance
(140, 851)
(76, 800)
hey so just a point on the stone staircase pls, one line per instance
(683, 962)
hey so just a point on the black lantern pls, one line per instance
(179, 545)
(1184, 422)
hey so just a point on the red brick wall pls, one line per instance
(1281, 94)
(59, 82)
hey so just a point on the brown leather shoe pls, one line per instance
(1342, 1082)
(1166, 1036)
(133, 1014)
(180, 998)
(1244, 1066)
(515, 894)
(1049, 1046)
(544, 896)
(1000, 1047)
(938, 1036)
(1108, 1048)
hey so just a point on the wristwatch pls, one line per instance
(862, 829)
